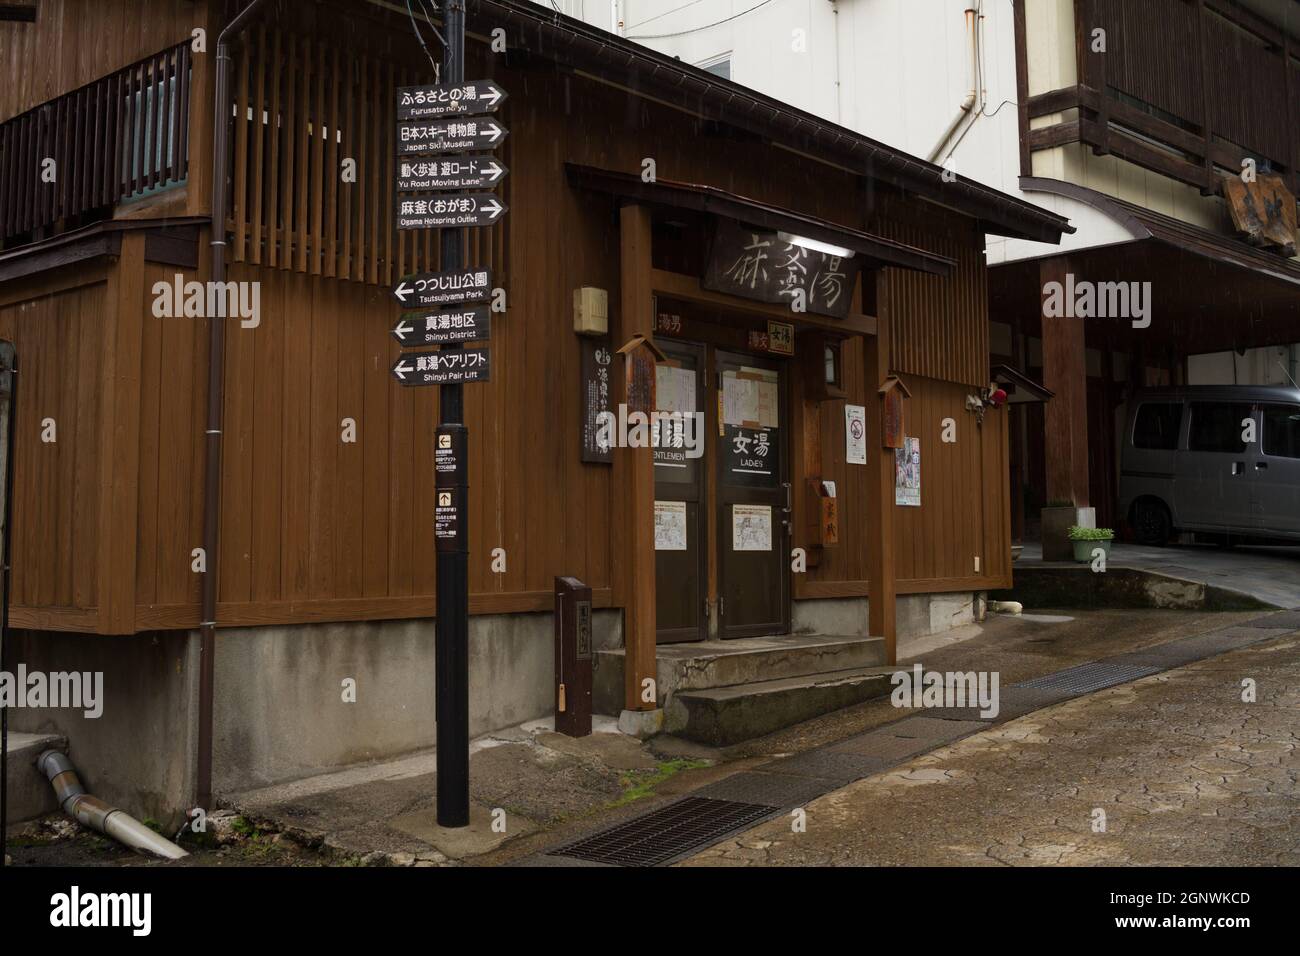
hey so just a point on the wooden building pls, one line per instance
(321, 535)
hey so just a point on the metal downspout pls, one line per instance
(216, 394)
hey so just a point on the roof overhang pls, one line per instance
(1020, 388)
(169, 241)
(1146, 224)
(571, 43)
(695, 197)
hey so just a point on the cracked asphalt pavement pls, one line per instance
(1174, 769)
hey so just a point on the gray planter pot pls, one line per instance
(1083, 549)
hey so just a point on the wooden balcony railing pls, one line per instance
(69, 161)
(1188, 88)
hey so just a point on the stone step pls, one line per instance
(727, 715)
(30, 794)
(708, 664)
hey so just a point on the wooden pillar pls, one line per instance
(634, 476)
(881, 588)
(1065, 372)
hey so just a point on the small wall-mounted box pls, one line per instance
(590, 311)
(823, 514)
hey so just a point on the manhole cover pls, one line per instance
(837, 767)
(1089, 677)
(672, 831)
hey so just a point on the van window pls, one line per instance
(1156, 425)
(1216, 426)
(1282, 430)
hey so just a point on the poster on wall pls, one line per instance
(855, 434)
(670, 526)
(907, 474)
(751, 527)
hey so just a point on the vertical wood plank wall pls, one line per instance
(318, 529)
(74, 42)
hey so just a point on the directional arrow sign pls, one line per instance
(427, 289)
(448, 212)
(429, 102)
(436, 328)
(441, 136)
(449, 172)
(442, 368)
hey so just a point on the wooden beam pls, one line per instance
(1065, 372)
(879, 526)
(119, 461)
(634, 478)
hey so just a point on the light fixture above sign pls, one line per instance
(816, 245)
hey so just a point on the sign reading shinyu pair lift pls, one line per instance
(443, 182)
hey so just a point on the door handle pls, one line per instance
(1238, 468)
(789, 505)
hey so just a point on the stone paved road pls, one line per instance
(1185, 772)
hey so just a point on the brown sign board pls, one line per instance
(1264, 211)
(597, 397)
(759, 265)
(892, 424)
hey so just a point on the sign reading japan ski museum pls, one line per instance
(442, 368)
(430, 102)
(448, 212)
(426, 289)
(439, 136)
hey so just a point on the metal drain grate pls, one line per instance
(1089, 677)
(671, 831)
(1288, 621)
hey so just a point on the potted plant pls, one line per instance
(1087, 540)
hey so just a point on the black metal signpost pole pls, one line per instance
(452, 650)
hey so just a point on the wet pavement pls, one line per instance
(1173, 769)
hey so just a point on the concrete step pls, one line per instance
(30, 794)
(726, 715)
(706, 664)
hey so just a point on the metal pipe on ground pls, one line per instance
(95, 813)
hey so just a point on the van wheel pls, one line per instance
(1151, 523)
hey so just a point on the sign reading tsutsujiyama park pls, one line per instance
(429, 102)
(454, 172)
(437, 328)
(442, 368)
(427, 289)
(438, 136)
(759, 265)
(448, 212)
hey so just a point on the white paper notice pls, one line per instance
(675, 389)
(751, 527)
(855, 434)
(670, 526)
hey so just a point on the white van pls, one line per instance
(1223, 460)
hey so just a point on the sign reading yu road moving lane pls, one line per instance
(426, 289)
(437, 136)
(430, 102)
(448, 212)
(442, 368)
(449, 172)
(436, 328)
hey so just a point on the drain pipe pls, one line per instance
(966, 112)
(98, 815)
(216, 395)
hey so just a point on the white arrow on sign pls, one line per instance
(401, 368)
(402, 330)
(494, 172)
(496, 132)
(402, 291)
(493, 98)
(493, 208)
